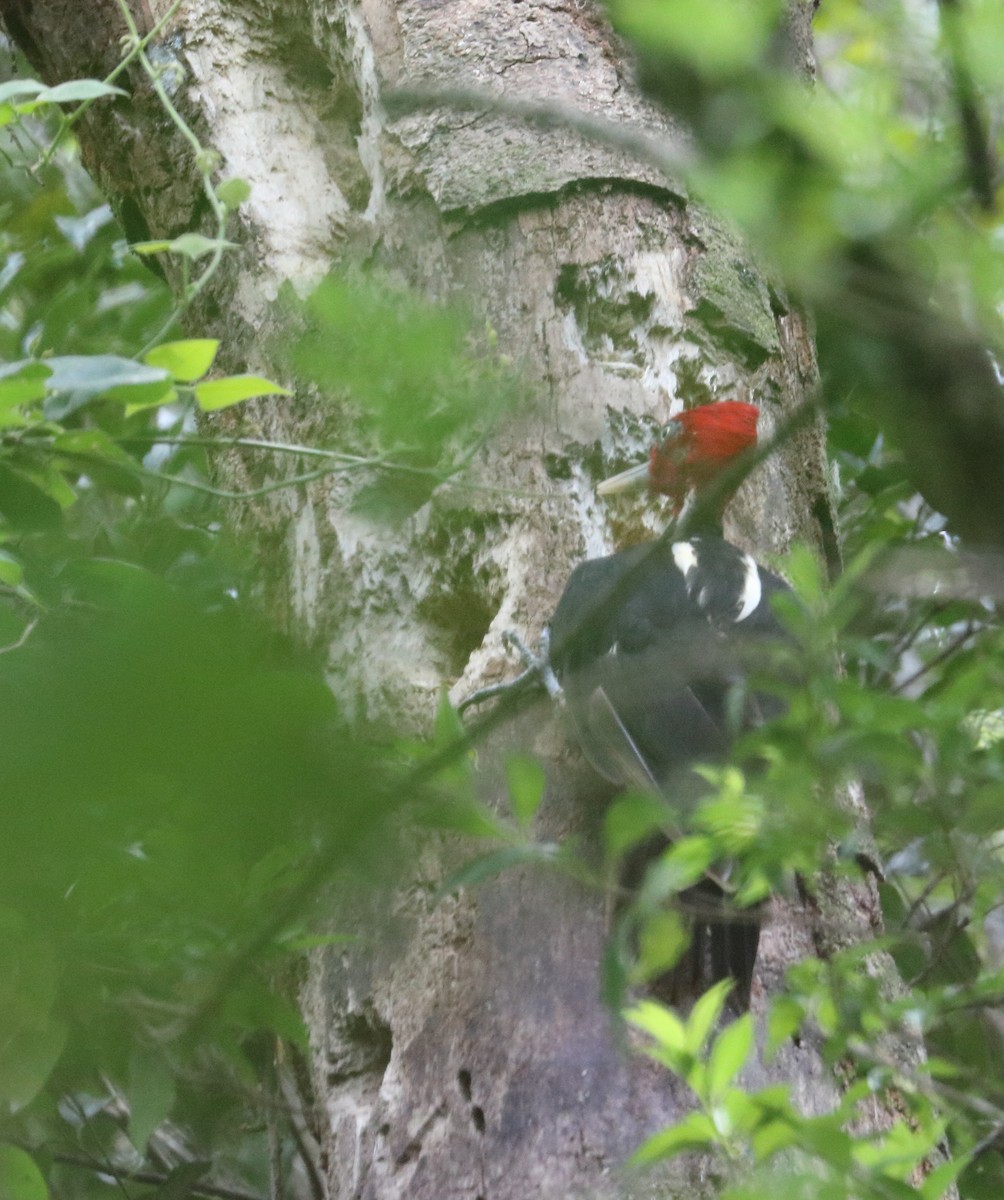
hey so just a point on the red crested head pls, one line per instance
(705, 440)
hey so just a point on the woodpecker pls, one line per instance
(651, 646)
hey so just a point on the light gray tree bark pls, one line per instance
(462, 1048)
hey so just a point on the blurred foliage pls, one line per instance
(875, 204)
(178, 787)
(426, 392)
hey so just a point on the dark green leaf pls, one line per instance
(150, 1092)
(24, 506)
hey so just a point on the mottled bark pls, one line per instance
(461, 1048)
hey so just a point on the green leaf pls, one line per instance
(233, 192)
(937, 1184)
(632, 818)
(252, 1006)
(186, 361)
(729, 1053)
(24, 505)
(663, 939)
(785, 1018)
(694, 1132)
(824, 1137)
(453, 814)
(11, 569)
(715, 35)
(14, 88)
(772, 1136)
(78, 378)
(706, 1011)
(299, 943)
(27, 1059)
(448, 727)
(525, 780)
(91, 442)
(71, 92)
(188, 245)
(150, 1094)
(78, 89)
(22, 383)
(668, 1033)
(214, 394)
(20, 1178)
(485, 866)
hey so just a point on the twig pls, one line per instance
(25, 634)
(155, 1178)
(953, 646)
(538, 673)
(137, 47)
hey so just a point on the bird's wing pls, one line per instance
(610, 748)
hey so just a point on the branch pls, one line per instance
(156, 1178)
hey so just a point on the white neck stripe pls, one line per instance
(752, 589)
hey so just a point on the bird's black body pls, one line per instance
(652, 646)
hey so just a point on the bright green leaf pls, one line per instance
(715, 35)
(22, 383)
(11, 569)
(160, 246)
(659, 1022)
(20, 1178)
(694, 1132)
(729, 1053)
(189, 245)
(632, 818)
(785, 1018)
(186, 361)
(662, 940)
(938, 1183)
(214, 394)
(706, 1011)
(772, 1136)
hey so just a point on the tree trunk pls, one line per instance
(463, 1050)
